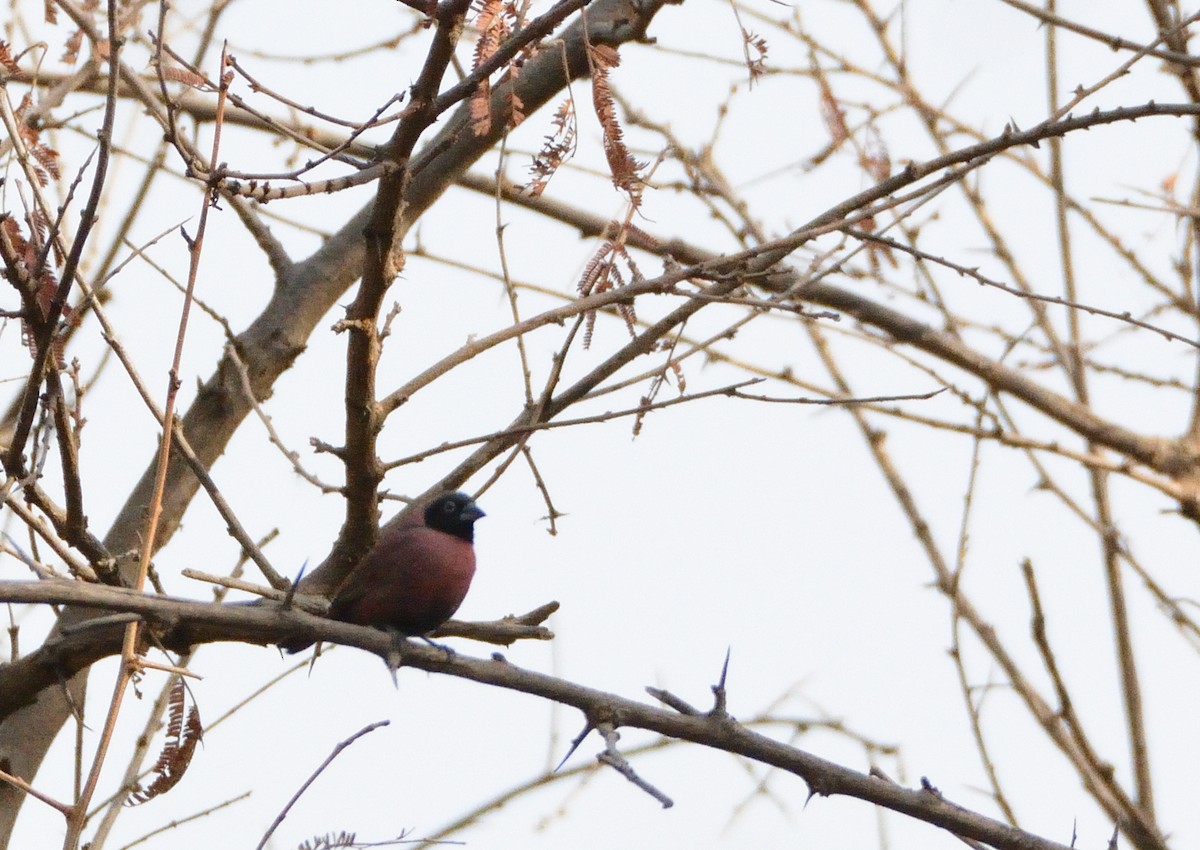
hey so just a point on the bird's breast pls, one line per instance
(413, 581)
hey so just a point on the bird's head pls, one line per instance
(455, 514)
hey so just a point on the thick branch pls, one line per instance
(313, 286)
(179, 624)
(187, 622)
(303, 294)
(381, 264)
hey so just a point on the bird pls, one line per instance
(416, 575)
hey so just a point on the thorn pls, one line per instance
(587, 728)
(719, 694)
(394, 659)
(312, 661)
(291, 594)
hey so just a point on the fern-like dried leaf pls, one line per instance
(179, 74)
(71, 49)
(177, 751)
(621, 163)
(831, 111)
(516, 106)
(595, 271)
(600, 274)
(481, 109)
(493, 29)
(755, 47)
(13, 245)
(495, 21)
(557, 149)
(48, 160)
(330, 841)
(875, 159)
(7, 59)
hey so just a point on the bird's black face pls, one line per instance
(454, 513)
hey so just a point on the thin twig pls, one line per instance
(313, 778)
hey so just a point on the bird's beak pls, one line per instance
(472, 512)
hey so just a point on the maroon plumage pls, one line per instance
(417, 574)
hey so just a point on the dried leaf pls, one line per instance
(7, 59)
(831, 111)
(600, 274)
(493, 27)
(481, 109)
(621, 164)
(71, 50)
(178, 74)
(177, 751)
(875, 159)
(755, 50)
(557, 149)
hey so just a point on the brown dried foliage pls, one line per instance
(71, 50)
(75, 39)
(496, 21)
(180, 74)
(330, 841)
(481, 108)
(831, 112)
(621, 164)
(647, 401)
(45, 165)
(602, 274)
(875, 160)
(37, 284)
(493, 29)
(755, 47)
(25, 254)
(516, 106)
(557, 149)
(7, 59)
(177, 751)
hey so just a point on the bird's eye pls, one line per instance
(449, 508)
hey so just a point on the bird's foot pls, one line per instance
(449, 650)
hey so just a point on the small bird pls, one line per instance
(416, 575)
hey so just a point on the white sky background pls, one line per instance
(762, 528)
